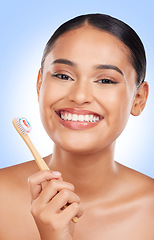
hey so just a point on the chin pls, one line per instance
(80, 149)
(84, 145)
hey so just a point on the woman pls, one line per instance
(91, 80)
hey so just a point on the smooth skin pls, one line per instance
(110, 200)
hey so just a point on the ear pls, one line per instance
(140, 99)
(39, 82)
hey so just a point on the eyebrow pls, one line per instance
(64, 61)
(100, 66)
(108, 66)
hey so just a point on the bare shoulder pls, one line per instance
(17, 174)
(14, 182)
(15, 200)
(145, 188)
(140, 187)
(14, 179)
(133, 176)
(137, 195)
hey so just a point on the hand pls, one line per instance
(52, 218)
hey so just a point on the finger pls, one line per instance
(52, 188)
(63, 198)
(72, 211)
(38, 178)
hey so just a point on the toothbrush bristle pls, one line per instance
(23, 125)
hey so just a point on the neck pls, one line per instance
(91, 174)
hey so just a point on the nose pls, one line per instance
(81, 93)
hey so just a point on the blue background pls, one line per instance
(25, 28)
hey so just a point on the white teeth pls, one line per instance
(65, 116)
(91, 118)
(69, 116)
(97, 119)
(62, 116)
(75, 117)
(86, 118)
(81, 118)
(94, 119)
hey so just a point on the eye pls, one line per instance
(106, 81)
(62, 76)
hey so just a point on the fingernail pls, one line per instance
(56, 173)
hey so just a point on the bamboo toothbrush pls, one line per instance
(23, 128)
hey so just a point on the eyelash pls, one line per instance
(106, 81)
(62, 76)
(66, 77)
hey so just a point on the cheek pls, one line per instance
(121, 107)
(50, 93)
(116, 103)
(50, 96)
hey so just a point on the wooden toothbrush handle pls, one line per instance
(40, 162)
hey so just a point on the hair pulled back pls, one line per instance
(113, 26)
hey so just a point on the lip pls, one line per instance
(78, 111)
(77, 125)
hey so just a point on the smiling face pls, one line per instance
(87, 89)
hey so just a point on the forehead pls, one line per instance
(91, 40)
(89, 46)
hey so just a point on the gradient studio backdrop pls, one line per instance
(25, 28)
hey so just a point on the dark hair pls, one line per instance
(113, 26)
